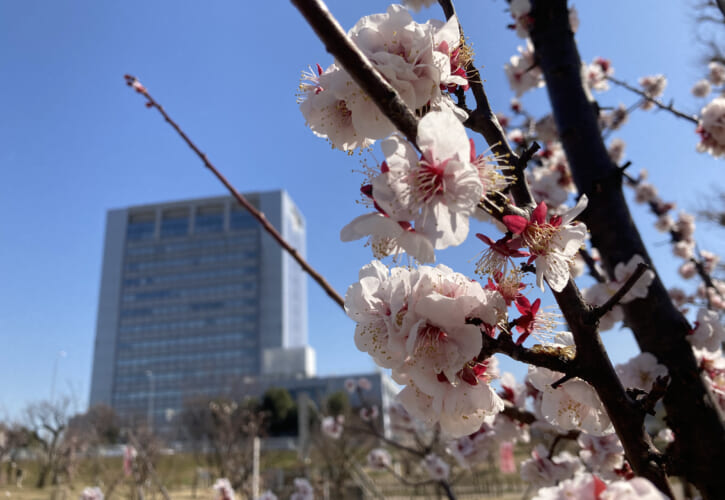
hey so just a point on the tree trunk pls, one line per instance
(657, 324)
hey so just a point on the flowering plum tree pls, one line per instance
(437, 329)
(553, 189)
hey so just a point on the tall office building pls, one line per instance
(195, 298)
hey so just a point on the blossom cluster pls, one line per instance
(421, 61)
(421, 323)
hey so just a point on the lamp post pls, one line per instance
(150, 416)
(61, 354)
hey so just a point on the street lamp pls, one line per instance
(150, 416)
(61, 354)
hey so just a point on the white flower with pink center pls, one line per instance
(572, 405)
(552, 242)
(709, 332)
(522, 72)
(637, 488)
(436, 468)
(303, 490)
(712, 128)
(581, 487)
(324, 102)
(640, 372)
(460, 406)
(540, 470)
(379, 458)
(439, 190)
(378, 302)
(653, 86)
(602, 454)
(332, 427)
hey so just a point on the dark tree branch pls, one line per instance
(658, 326)
(626, 287)
(504, 344)
(133, 82)
(337, 43)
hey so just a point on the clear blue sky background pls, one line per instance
(75, 142)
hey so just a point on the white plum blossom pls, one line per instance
(596, 73)
(369, 413)
(436, 468)
(324, 101)
(378, 303)
(91, 493)
(223, 489)
(653, 86)
(440, 190)
(552, 243)
(709, 332)
(389, 237)
(540, 470)
(581, 487)
(664, 223)
(685, 249)
(602, 454)
(460, 409)
(616, 150)
(415, 321)
(332, 427)
(473, 448)
(687, 270)
(552, 182)
(645, 192)
(712, 128)
(615, 118)
(590, 487)
(303, 490)
(417, 59)
(520, 12)
(379, 458)
(640, 289)
(716, 73)
(522, 71)
(640, 372)
(364, 384)
(572, 405)
(637, 488)
(685, 226)
(701, 88)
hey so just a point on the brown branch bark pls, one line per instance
(658, 326)
(152, 103)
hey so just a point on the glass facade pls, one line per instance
(188, 292)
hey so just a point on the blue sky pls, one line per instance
(75, 142)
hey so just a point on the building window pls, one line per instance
(209, 220)
(141, 226)
(240, 218)
(175, 223)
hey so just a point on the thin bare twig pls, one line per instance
(654, 101)
(133, 82)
